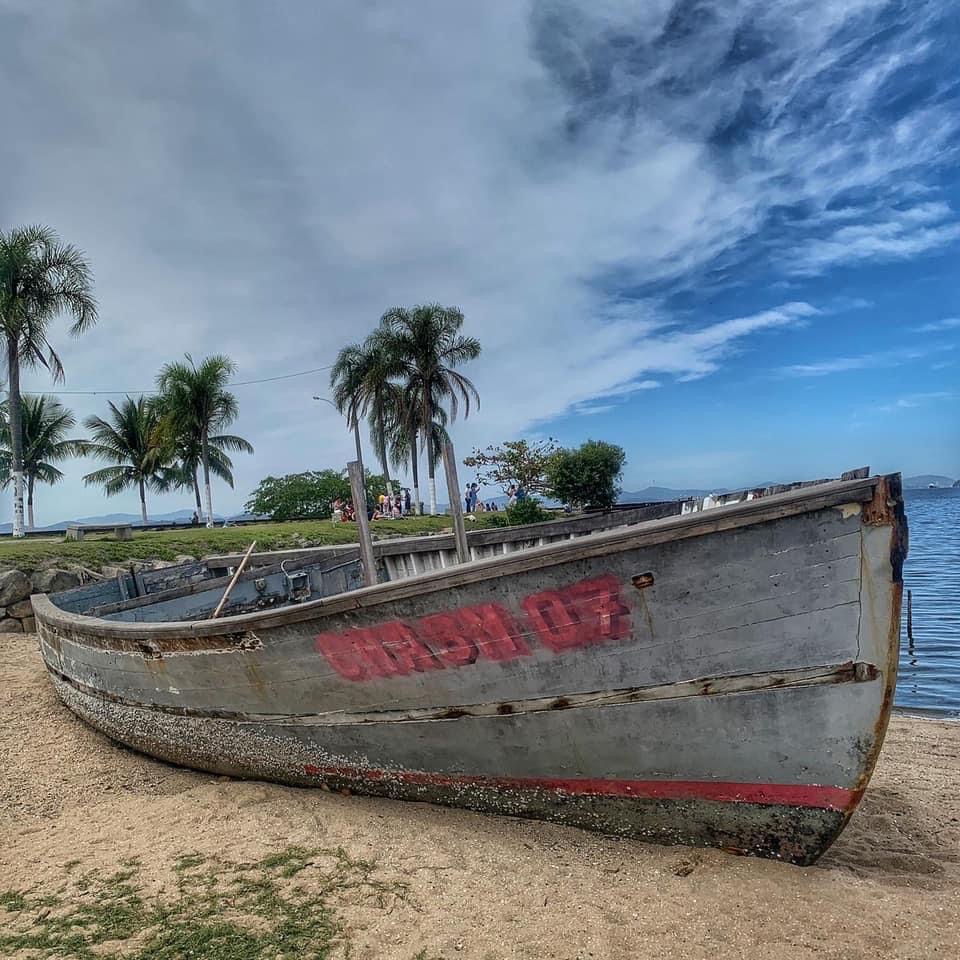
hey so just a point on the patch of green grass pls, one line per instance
(283, 907)
(13, 901)
(199, 541)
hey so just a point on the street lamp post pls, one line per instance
(356, 428)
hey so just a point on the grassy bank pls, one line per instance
(27, 555)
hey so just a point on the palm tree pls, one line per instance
(346, 382)
(45, 423)
(424, 345)
(40, 278)
(382, 398)
(188, 459)
(129, 441)
(196, 404)
(362, 387)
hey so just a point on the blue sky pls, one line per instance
(722, 234)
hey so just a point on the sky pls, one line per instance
(724, 235)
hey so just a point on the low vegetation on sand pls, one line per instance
(29, 555)
(284, 907)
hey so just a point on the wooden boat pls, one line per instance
(674, 673)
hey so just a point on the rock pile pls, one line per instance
(16, 588)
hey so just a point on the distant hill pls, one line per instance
(923, 480)
(177, 516)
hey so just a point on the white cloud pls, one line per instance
(864, 361)
(902, 235)
(939, 326)
(911, 401)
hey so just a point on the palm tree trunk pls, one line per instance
(415, 470)
(143, 502)
(432, 482)
(15, 413)
(431, 465)
(385, 462)
(196, 493)
(205, 453)
(30, 524)
(356, 440)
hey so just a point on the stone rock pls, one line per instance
(14, 585)
(53, 581)
(111, 572)
(20, 609)
(29, 624)
(10, 626)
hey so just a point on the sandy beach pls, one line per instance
(444, 883)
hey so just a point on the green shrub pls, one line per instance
(527, 510)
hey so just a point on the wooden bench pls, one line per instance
(77, 531)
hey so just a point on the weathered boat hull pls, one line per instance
(719, 679)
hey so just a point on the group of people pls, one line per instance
(515, 494)
(392, 508)
(472, 502)
(343, 510)
(387, 507)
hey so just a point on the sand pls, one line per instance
(487, 887)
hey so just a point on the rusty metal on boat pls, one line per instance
(716, 672)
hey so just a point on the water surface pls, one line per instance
(930, 663)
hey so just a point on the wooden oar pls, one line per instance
(236, 577)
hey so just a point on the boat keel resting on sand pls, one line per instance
(672, 673)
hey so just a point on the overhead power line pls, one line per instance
(235, 383)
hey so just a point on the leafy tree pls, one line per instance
(308, 494)
(520, 462)
(130, 441)
(46, 423)
(423, 346)
(588, 476)
(40, 278)
(195, 406)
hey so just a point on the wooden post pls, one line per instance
(230, 585)
(359, 492)
(456, 510)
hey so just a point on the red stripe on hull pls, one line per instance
(776, 794)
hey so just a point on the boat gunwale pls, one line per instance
(616, 540)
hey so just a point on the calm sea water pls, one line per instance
(930, 663)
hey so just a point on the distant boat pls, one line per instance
(931, 486)
(718, 677)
